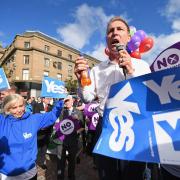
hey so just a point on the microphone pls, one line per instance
(120, 47)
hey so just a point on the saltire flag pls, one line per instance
(141, 121)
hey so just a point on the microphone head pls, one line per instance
(120, 47)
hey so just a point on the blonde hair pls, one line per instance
(117, 18)
(9, 101)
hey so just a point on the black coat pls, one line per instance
(72, 139)
(43, 134)
(39, 108)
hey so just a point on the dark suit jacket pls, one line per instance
(43, 134)
(72, 139)
(39, 107)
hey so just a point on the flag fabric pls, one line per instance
(141, 121)
(168, 58)
(53, 88)
(4, 84)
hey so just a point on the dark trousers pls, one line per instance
(167, 176)
(138, 170)
(61, 164)
(34, 178)
(42, 148)
(107, 167)
(114, 169)
(83, 133)
(42, 154)
(90, 142)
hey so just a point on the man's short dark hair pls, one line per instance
(13, 87)
(117, 18)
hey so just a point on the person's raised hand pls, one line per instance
(125, 61)
(80, 65)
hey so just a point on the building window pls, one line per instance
(59, 65)
(59, 53)
(12, 59)
(25, 74)
(26, 59)
(46, 73)
(69, 56)
(59, 76)
(8, 64)
(70, 69)
(46, 48)
(46, 62)
(26, 44)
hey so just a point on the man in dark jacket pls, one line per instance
(70, 143)
(43, 134)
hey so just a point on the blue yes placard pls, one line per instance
(53, 88)
(141, 121)
(4, 84)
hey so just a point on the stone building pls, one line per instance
(2, 50)
(33, 55)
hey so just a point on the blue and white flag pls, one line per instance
(141, 120)
(4, 84)
(53, 88)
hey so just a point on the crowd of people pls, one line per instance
(25, 111)
(26, 126)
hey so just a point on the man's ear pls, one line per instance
(129, 37)
(106, 50)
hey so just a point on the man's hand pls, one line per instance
(80, 65)
(125, 61)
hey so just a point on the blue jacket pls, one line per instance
(18, 139)
(28, 108)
